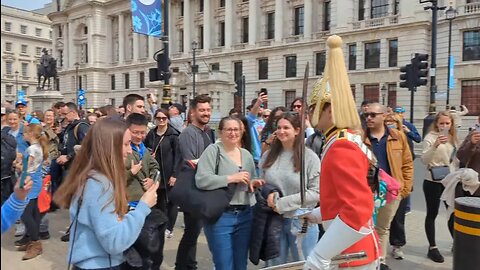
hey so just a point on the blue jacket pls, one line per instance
(412, 136)
(12, 209)
(100, 236)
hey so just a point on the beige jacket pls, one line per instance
(437, 156)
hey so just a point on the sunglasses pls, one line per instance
(371, 115)
(297, 106)
(266, 115)
(161, 118)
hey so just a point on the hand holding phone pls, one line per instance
(156, 178)
(25, 171)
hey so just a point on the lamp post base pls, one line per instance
(167, 98)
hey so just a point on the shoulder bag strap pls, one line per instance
(218, 160)
(80, 201)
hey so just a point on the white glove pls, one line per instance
(315, 216)
(338, 237)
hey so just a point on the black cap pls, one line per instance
(179, 107)
(365, 102)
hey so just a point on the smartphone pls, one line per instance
(156, 178)
(263, 91)
(445, 131)
(477, 129)
(25, 171)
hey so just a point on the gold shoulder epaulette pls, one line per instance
(342, 134)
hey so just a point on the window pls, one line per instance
(112, 82)
(180, 40)
(237, 70)
(38, 32)
(215, 66)
(182, 8)
(8, 67)
(270, 25)
(471, 96)
(291, 66)
(352, 57)
(85, 53)
(371, 93)
(24, 48)
(8, 46)
(326, 16)
(361, 10)
(392, 52)
(38, 50)
(471, 45)
(141, 77)
(353, 88)
(9, 89)
(299, 20)
(396, 7)
(25, 69)
(392, 95)
(379, 8)
(372, 55)
(222, 3)
(60, 34)
(60, 58)
(244, 29)
(320, 59)
(126, 76)
(200, 8)
(290, 96)
(50, 34)
(85, 30)
(23, 29)
(25, 89)
(221, 33)
(263, 69)
(8, 26)
(80, 82)
(200, 37)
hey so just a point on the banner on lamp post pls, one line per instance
(21, 95)
(81, 97)
(451, 79)
(147, 17)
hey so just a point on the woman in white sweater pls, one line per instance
(281, 168)
(439, 147)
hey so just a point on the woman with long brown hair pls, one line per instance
(96, 195)
(280, 167)
(439, 148)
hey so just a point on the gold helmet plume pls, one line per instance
(334, 88)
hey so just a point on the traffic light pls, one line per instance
(420, 68)
(239, 87)
(162, 71)
(407, 77)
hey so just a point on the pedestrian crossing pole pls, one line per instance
(166, 97)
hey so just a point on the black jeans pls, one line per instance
(187, 249)
(7, 188)
(397, 227)
(433, 191)
(170, 209)
(31, 219)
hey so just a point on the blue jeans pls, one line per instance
(229, 238)
(288, 242)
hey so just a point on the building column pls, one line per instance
(135, 46)
(121, 38)
(187, 17)
(90, 50)
(228, 24)
(367, 13)
(308, 9)
(207, 25)
(72, 58)
(151, 46)
(252, 22)
(279, 20)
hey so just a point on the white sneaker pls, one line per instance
(19, 229)
(168, 234)
(397, 253)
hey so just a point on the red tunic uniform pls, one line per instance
(344, 191)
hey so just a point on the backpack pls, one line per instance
(45, 195)
(75, 131)
(8, 153)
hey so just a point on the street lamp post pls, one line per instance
(450, 15)
(384, 91)
(16, 84)
(76, 82)
(194, 66)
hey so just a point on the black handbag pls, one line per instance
(439, 172)
(208, 205)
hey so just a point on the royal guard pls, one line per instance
(346, 198)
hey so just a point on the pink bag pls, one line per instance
(393, 186)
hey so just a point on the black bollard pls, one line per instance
(466, 242)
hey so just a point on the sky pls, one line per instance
(26, 4)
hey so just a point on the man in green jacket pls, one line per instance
(141, 166)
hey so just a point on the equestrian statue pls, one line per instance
(46, 69)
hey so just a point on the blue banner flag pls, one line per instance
(21, 95)
(81, 97)
(451, 79)
(147, 17)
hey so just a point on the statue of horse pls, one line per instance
(47, 72)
